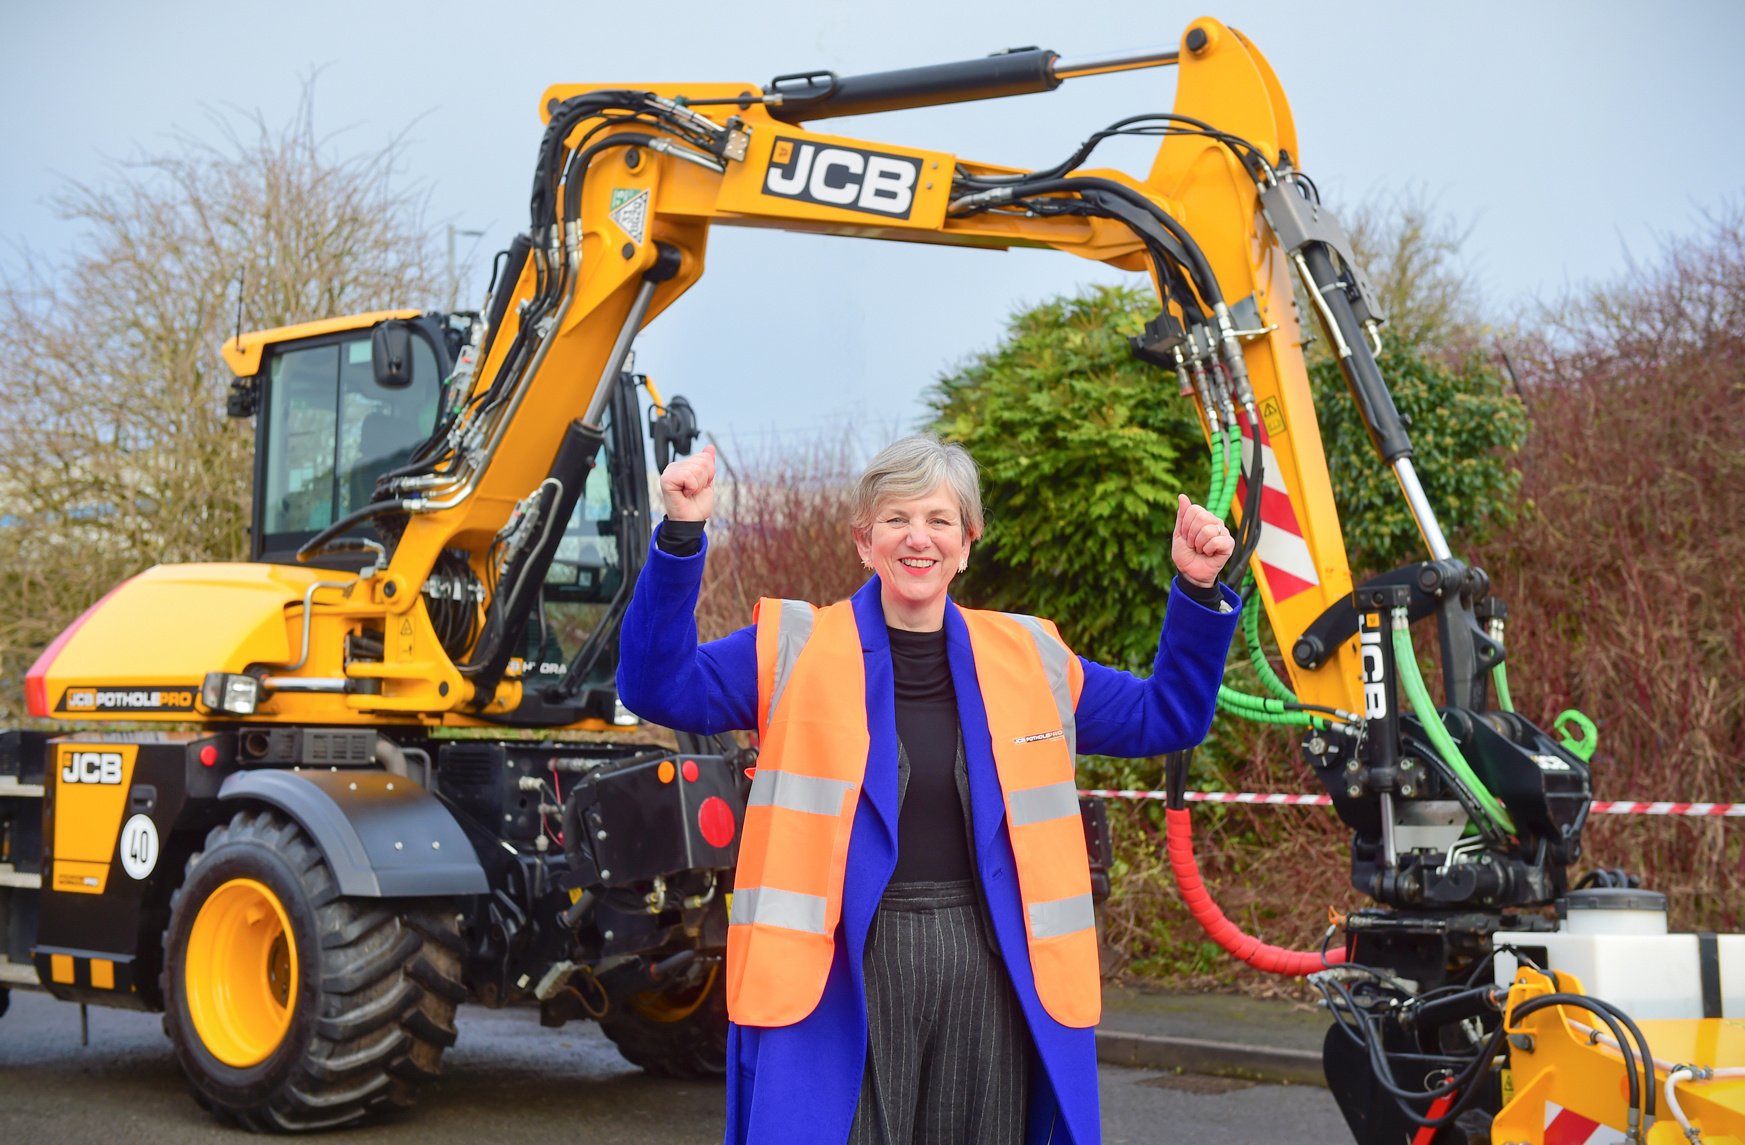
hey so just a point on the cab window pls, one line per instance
(330, 431)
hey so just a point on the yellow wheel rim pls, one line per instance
(240, 975)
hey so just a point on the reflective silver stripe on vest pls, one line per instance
(1054, 665)
(796, 792)
(796, 629)
(791, 910)
(1047, 919)
(1040, 804)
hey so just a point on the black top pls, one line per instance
(932, 836)
(680, 538)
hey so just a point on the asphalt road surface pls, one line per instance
(507, 1080)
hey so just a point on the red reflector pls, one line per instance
(688, 769)
(751, 773)
(208, 755)
(715, 821)
(36, 695)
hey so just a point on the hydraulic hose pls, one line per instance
(1635, 1095)
(1265, 710)
(1194, 259)
(1426, 1134)
(314, 546)
(1248, 533)
(1500, 681)
(1220, 462)
(1406, 662)
(1227, 492)
(1269, 679)
(1260, 955)
(1693, 1073)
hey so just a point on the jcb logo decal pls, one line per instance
(91, 767)
(845, 177)
(127, 699)
(86, 805)
(1375, 691)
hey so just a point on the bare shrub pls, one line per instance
(1624, 581)
(781, 529)
(115, 451)
(1411, 251)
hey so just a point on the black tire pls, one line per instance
(681, 1034)
(353, 999)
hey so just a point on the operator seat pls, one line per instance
(384, 442)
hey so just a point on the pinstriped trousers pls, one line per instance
(948, 1058)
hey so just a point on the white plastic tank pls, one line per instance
(1614, 940)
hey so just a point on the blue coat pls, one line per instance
(800, 1084)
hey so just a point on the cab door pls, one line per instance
(327, 429)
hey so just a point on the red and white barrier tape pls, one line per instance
(1599, 806)
(1625, 807)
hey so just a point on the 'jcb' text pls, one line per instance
(1375, 689)
(92, 767)
(843, 177)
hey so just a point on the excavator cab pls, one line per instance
(332, 414)
(339, 403)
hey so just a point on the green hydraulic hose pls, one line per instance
(1500, 681)
(1216, 463)
(1500, 674)
(1261, 710)
(1269, 679)
(1406, 664)
(1227, 490)
(1240, 699)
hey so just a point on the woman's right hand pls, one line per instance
(687, 486)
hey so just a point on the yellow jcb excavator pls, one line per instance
(451, 509)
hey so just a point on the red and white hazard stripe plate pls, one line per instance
(1567, 1127)
(1283, 552)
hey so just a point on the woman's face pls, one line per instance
(915, 546)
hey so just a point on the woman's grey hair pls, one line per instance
(913, 467)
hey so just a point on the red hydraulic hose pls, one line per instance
(1272, 959)
(1426, 1134)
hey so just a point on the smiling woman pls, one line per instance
(912, 923)
(917, 511)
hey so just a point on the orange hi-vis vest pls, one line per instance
(793, 850)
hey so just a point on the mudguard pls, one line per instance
(383, 835)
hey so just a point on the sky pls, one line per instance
(1567, 136)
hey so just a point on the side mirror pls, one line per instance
(674, 431)
(244, 398)
(391, 354)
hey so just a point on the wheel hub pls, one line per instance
(240, 975)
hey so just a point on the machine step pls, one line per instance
(12, 877)
(17, 973)
(11, 788)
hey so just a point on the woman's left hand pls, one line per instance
(1201, 543)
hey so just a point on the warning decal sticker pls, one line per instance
(630, 211)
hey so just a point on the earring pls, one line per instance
(963, 565)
